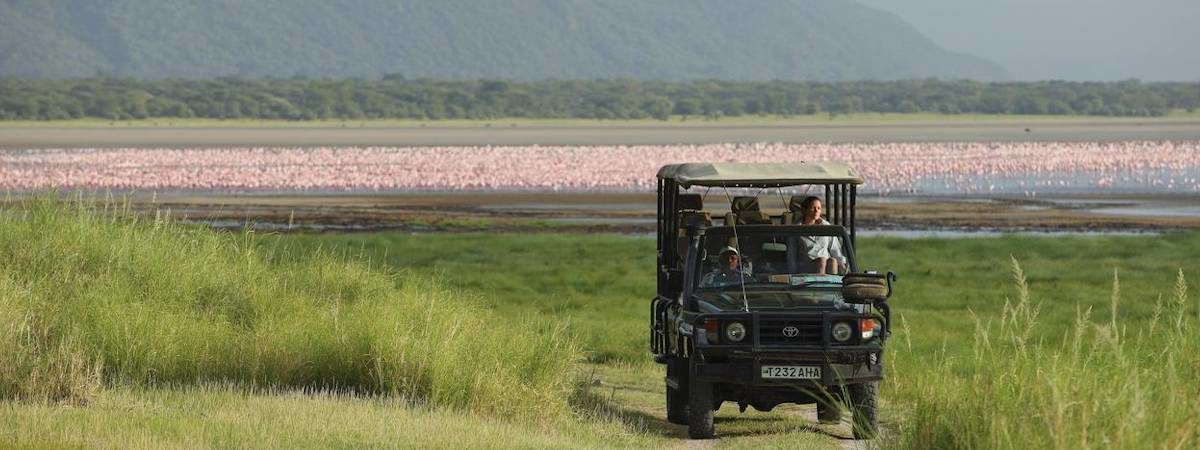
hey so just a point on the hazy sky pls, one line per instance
(1066, 39)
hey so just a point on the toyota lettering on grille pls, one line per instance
(791, 331)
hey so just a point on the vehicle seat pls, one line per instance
(744, 211)
(691, 208)
(795, 210)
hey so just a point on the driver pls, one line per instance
(727, 270)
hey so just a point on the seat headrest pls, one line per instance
(690, 202)
(796, 203)
(742, 204)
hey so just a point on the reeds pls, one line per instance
(1102, 386)
(89, 297)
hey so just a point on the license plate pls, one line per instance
(792, 372)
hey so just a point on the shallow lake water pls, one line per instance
(990, 233)
(1147, 181)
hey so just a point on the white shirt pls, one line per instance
(823, 246)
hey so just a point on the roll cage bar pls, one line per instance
(722, 232)
(840, 203)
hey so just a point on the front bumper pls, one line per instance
(840, 365)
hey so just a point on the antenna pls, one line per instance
(779, 189)
(738, 242)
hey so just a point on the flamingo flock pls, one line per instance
(965, 167)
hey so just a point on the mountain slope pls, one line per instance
(520, 39)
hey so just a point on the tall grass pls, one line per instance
(89, 297)
(1101, 385)
(596, 285)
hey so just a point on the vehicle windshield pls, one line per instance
(774, 261)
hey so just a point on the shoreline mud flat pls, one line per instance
(634, 213)
(602, 134)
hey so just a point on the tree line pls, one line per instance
(395, 97)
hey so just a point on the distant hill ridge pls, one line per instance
(461, 39)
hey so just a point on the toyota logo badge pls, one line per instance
(790, 331)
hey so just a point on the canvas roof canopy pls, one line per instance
(759, 174)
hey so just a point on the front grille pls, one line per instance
(809, 331)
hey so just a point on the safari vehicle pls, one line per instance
(765, 327)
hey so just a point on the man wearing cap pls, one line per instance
(728, 270)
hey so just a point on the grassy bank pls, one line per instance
(1115, 383)
(597, 286)
(981, 358)
(89, 300)
(208, 416)
(178, 336)
(220, 417)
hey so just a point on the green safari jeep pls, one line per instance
(765, 307)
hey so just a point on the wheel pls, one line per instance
(864, 404)
(677, 404)
(677, 399)
(700, 410)
(828, 412)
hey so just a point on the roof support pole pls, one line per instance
(837, 204)
(853, 201)
(828, 197)
(663, 251)
(845, 204)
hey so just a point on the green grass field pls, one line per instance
(1061, 362)
(123, 333)
(817, 119)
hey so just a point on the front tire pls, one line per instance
(677, 403)
(828, 413)
(677, 399)
(863, 401)
(700, 410)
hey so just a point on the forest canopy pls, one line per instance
(395, 97)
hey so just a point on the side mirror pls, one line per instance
(867, 288)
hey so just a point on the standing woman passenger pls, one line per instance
(823, 252)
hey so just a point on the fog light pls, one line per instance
(712, 328)
(735, 331)
(842, 331)
(868, 327)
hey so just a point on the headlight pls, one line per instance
(842, 331)
(735, 331)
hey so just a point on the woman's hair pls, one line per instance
(808, 202)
